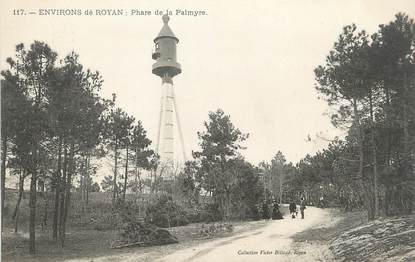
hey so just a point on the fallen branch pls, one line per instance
(129, 245)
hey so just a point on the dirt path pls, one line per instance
(273, 242)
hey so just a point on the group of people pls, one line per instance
(294, 210)
(270, 209)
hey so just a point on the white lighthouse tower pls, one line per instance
(166, 67)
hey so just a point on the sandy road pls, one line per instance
(271, 243)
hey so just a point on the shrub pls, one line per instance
(164, 212)
(209, 212)
(216, 229)
(105, 217)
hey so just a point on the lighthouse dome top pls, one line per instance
(165, 18)
(165, 30)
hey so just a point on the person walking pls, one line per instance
(276, 214)
(293, 208)
(265, 210)
(302, 207)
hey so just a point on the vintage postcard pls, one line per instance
(182, 130)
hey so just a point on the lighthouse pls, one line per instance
(166, 67)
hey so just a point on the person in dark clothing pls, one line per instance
(265, 210)
(302, 207)
(293, 208)
(276, 214)
(256, 212)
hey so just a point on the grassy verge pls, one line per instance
(350, 237)
(337, 223)
(385, 239)
(314, 242)
(90, 244)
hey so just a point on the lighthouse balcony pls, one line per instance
(155, 55)
(160, 68)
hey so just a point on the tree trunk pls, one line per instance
(360, 140)
(114, 191)
(88, 163)
(280, 178)
(82, 188)
(265, 184)
(388, 188)
(16, 221)
(3, 173)
(125, 176)
(374, 156)
(57, 193)
(389, 123)
(32, 215)
(229, 206)
(20, 193)
(363, 186)
(71, 169)
(136, 187)
(63, 190)
(19, 198)
(151, 182)
(407, 153)
(45, 215)
(85, 186)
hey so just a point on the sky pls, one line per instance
(253, 59)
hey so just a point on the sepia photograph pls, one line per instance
(181, 131)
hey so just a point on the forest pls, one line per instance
(56, 129)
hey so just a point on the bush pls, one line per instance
(164, 212)
(106, 217)
(142, 234)
(105, 222)
(216, 229)
(209, 213)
